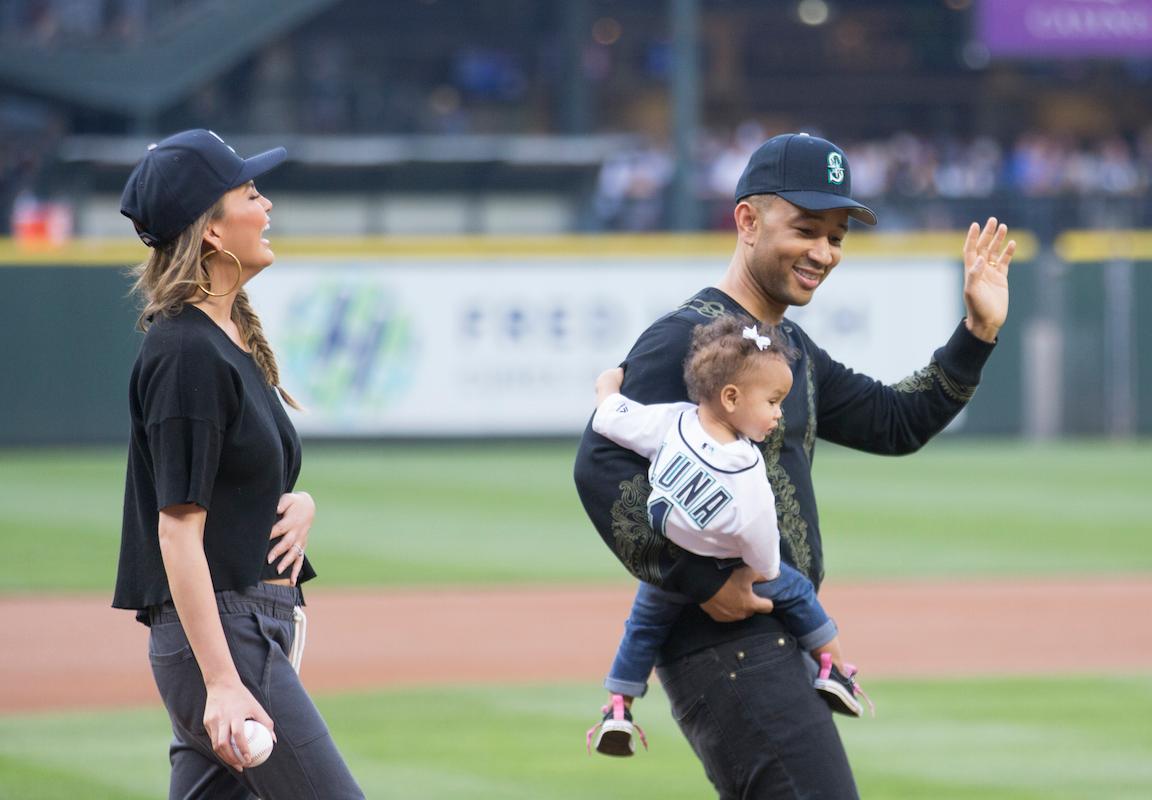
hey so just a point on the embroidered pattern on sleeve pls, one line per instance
(810, 431)
(637, 545)
(793, 528)
(922, 380)
(709, 309)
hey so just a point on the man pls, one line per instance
(739, 687)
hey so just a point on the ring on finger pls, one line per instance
(299, 550)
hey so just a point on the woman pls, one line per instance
(213, 539)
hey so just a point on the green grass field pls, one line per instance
(499, 513)
(1021, 739)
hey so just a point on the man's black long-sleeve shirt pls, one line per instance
(828, 400)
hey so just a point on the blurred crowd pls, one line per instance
(915, 181)
(68, 22)
(632, 190)
(30, 133)
(318, 84)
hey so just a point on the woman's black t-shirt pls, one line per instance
(206, 429)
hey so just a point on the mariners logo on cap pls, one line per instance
(835, 168)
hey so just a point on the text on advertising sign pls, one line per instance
(1066, 28)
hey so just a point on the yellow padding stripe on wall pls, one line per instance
(718, 246)
(1077, 247)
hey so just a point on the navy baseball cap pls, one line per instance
(183, 176)
(807, 171)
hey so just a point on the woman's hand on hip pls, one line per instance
(296, 510)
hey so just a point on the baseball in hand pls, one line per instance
(259, 743)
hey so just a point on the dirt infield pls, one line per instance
(70, 653)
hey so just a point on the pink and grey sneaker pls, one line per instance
(614, 732)
(839, 689)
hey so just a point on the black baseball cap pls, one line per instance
(807, 171)
(183, 176)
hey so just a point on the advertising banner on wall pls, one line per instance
(511, 347)
(1066, 28)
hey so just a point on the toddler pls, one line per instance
(710, 495)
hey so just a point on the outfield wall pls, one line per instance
(471, 337)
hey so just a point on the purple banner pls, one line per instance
(1066, 28)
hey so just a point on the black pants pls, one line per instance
(304, 763)
(751, 715)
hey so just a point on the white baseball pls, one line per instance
(259, 743)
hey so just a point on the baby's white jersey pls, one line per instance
(711, 499)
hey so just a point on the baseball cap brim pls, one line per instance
(259, 164)
(826, 201)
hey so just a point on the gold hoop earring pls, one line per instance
(239, 273)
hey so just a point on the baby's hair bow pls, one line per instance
(763, 342)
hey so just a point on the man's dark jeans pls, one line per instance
(749, 711)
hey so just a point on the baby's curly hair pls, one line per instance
(721, 354)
